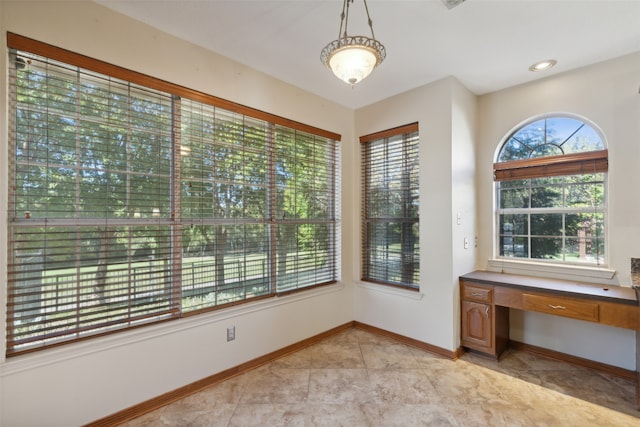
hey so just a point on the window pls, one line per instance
(136, 201)
(390, 200)
(551, 192)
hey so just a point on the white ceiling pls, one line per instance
(486, 44)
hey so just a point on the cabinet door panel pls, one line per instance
(476, 326)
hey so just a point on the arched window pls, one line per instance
(550, 179)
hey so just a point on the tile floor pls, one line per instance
(356, 378)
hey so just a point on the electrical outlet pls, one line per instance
(231, 333)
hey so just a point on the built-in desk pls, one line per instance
(486, 297)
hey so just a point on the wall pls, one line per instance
(459, 134)
(606, 94)
(78, 383)
(445, 112)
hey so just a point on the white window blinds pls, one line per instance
(390, 201)
(135, 201)
(90, 205)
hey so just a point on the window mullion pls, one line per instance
(272, 208)
(175, 234)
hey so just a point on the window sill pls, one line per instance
(17, 364)
(406, 293)
(577, 272)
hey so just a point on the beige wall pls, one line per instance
(607, 95)
(445, 112)
(78, 383)
(459, 133)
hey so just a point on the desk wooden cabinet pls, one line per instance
(486, 297)
(482, 322)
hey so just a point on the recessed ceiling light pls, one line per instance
(543, 65)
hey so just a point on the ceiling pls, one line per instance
(487, 45)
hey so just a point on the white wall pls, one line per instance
(606, 94)
(445, 112)
(459, 133)
(81, 382)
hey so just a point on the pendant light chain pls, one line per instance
(369, 19)
(344, 19)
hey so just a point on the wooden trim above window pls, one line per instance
(412, 127)
(567, 164)
(26, 44)
(86, 284)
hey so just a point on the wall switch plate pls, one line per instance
(231, 333)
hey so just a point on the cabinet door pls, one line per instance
(476, 326)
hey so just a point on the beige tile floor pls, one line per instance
(356, 378)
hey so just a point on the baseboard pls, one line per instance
(575, 360)
(182, 392)
(453, 355)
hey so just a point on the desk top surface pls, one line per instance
(612, 293)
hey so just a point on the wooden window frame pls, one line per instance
(565, 165)
(369, 273)
(24, 44)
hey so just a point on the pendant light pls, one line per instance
(353, 58)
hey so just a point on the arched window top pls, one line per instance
(550, 176)
(554, 135)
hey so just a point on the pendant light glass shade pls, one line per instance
(352, 58)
